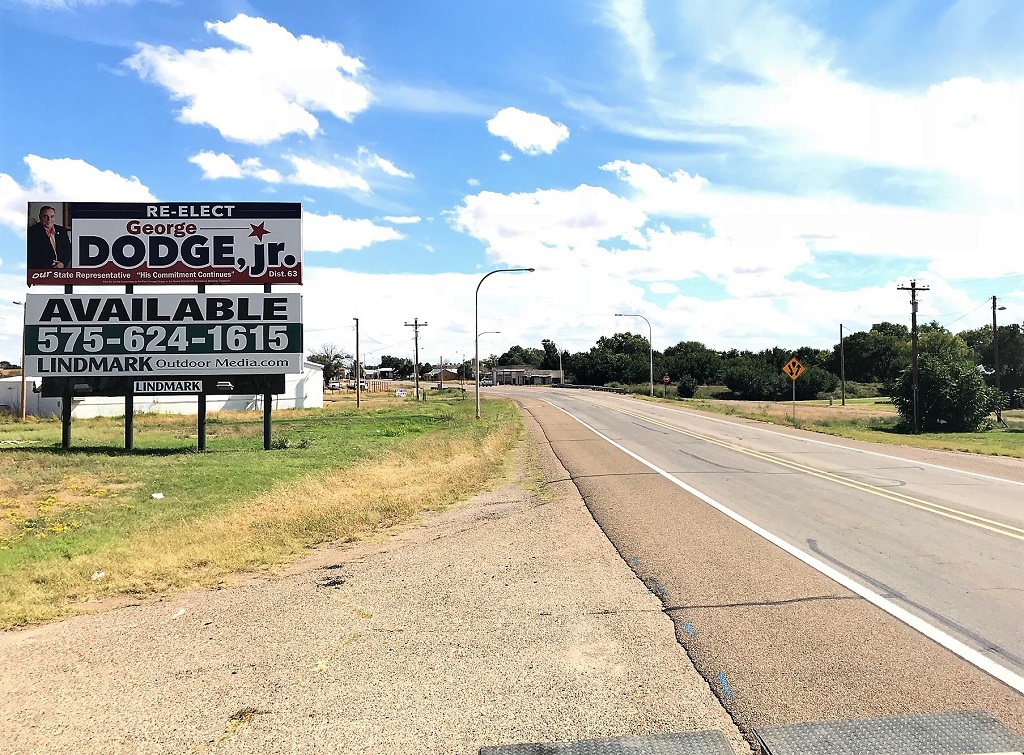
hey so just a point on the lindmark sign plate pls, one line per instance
(164, 243)
(158, 335)
(154, 387)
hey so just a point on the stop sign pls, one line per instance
(666, 379)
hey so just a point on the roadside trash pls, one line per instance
(98, 575)
(179, 614)
(157, 495)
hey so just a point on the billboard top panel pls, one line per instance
(164, 243)
(184, 210)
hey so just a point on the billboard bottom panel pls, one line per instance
(148, 365)
(211, 385)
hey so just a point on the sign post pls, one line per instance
(664, 386)
(794, 369)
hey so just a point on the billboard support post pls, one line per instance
(129, 421)
(201, 420)
(267, 398)
(65, 420)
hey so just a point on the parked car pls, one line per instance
(486, 381)
(334, 385)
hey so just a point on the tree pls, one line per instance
(694, 359)
(815, 380)
(550, 360)
(936, 340)
(403, 367)
(753, 378)
(952, 395)
(874, 356)
(622, 358)
(1011, 354)
(518, 355)
(333, 360)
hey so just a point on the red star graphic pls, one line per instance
(259, 231)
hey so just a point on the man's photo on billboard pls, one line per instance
(48, 241)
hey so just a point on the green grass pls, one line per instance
(91, 506)
(881, 428)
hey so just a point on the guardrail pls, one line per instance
(604, 388)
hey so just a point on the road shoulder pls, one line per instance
(509, 620)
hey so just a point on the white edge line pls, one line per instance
(860, 450)
(952, 644)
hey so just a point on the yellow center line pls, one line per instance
(935, 508)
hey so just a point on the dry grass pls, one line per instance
(426, 474)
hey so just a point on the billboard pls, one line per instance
(164, 243)
(160, 335)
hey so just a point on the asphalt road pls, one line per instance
(778, 640)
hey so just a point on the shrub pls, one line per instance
(755, 380)
(952, 396)
(686, 387)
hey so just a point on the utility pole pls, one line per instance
(358, 376)
(995, 358)
(440, 376)
(913, 288)
(416, 325)
(842, 363)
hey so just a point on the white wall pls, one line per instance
(302, 391)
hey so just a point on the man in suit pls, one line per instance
(49, 245)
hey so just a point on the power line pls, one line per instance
(984, 303)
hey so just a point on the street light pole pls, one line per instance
(476, 325)
(650, 341)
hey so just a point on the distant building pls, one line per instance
(443, 375)
(522, 374)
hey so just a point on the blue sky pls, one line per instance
(742, 173)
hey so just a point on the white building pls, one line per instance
(301, 391)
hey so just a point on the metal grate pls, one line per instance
(688, 743)
(960, 733)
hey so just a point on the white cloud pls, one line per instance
(65, 179)
(333, 233)
(473, 181)
(402, 220)
(786, 230)
(512, 223)
(762, 80)
(324, 175)
(342, 173)
(371, 160)
(217, 165)
(628, 16)
(266, 87)
(964, 127)
(530, 133)
(505, 157)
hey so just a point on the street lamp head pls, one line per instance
(998, 308)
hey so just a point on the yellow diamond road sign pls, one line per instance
(793, 368)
